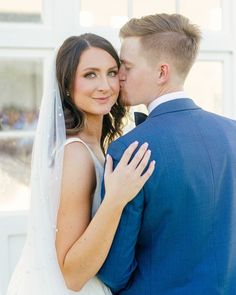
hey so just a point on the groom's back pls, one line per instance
(187, 241)
(178, 237)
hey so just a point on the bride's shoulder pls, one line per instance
(76, 152)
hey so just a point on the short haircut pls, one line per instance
(171, 36)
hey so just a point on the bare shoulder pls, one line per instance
(78, 171)
(78, 184)
(76, 152)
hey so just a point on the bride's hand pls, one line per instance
(127, 179)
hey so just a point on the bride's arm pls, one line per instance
(82, 246)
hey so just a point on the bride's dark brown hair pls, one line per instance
(67, 61)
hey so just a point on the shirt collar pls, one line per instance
(164, 98)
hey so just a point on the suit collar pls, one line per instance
(166, 97)
(175, 105)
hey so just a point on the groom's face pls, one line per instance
(137, 75)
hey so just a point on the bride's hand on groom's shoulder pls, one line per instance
(124, 182)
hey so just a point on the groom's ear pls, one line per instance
(163, 73)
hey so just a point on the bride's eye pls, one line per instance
(113, 73)
(90, 75)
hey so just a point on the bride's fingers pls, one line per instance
(138, 156)
(142, 165)
(128, 153)
(109, 165)
(149, 172)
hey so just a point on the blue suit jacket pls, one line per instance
(178, 236)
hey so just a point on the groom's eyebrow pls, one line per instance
(123, 61)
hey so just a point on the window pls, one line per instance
(208, 17)
(15, 155)
(21, 91)
(21, 11)
(113, 13)
(152, 6)
(205, 85)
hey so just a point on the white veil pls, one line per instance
(38, 271)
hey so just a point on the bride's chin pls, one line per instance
(106, 111)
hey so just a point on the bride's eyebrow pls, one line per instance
(98, 69)
(113, 68)
(90, 69)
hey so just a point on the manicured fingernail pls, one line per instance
(154, 162)
(135, 143)
(145, 144)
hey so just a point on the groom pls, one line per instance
(178, 236)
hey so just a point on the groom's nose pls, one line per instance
(122, 74)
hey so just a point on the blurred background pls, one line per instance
(30, 30)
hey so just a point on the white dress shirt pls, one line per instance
(164, 98)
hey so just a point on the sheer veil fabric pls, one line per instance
(37, 271)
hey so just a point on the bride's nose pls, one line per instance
(104, 84)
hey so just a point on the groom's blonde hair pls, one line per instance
(169, 36)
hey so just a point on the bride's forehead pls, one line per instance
(95, 56)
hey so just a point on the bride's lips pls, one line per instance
(102, 99)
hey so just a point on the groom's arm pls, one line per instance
(121, 262)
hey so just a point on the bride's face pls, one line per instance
(96, 85)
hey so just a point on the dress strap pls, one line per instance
(74, 139)
(77, 139)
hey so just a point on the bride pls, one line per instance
(70, 231)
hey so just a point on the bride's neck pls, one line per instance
(92, 130)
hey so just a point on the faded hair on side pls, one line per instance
(171, 36)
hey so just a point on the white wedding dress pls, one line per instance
(93, 286)
(42, 275)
